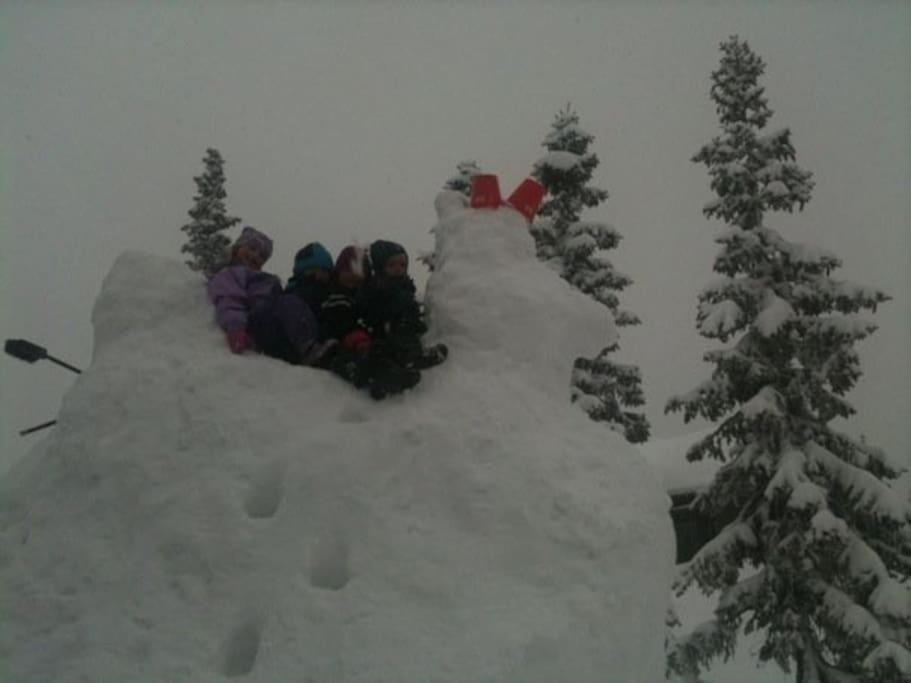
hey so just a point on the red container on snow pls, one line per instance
(485, 191)
(527, 198)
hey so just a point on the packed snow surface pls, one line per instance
(197, 516)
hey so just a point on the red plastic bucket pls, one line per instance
(485, 191)
(527, 198)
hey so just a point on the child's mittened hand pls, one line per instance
(239, 341)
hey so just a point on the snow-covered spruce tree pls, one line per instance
(605, 389)
(207, 246)
(816, 550)
(461, 181)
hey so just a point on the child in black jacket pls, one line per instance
(390, 310)
(356, 358)
(312, 270)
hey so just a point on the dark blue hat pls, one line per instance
(314, 255)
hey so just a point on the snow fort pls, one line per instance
(198, 516)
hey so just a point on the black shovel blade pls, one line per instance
(24, 350)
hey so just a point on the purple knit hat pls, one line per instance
(256, 241)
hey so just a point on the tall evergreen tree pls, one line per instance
(816, 550)
(461, 181)
(605, 389)
(206, 244)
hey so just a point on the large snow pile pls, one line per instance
(197, 516)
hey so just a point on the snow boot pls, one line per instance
(347, 365)
(429, 357)
(392, 379)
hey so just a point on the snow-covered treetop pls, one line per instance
(210, 192)
(751, 173)
(735, 85)
(567, 135)
(566, 170)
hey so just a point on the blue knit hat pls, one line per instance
(314, 255)
(383, 250)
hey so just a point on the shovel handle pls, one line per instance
(36, 428)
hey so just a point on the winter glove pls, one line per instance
(357, 342)
(239, 341)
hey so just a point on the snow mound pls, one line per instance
(197, 515)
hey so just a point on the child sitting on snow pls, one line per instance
(310, 281)
(254, 312)
(391, 312)
(354, 358)
(338, 314)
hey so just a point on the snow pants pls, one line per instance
(284, 328)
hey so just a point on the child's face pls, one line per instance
(246, 256)
(318, 274)
(350, 280)
(396, 266)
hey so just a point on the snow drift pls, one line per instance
(197, 516)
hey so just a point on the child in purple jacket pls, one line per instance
(255, 313)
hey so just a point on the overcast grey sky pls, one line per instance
(341, 121)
